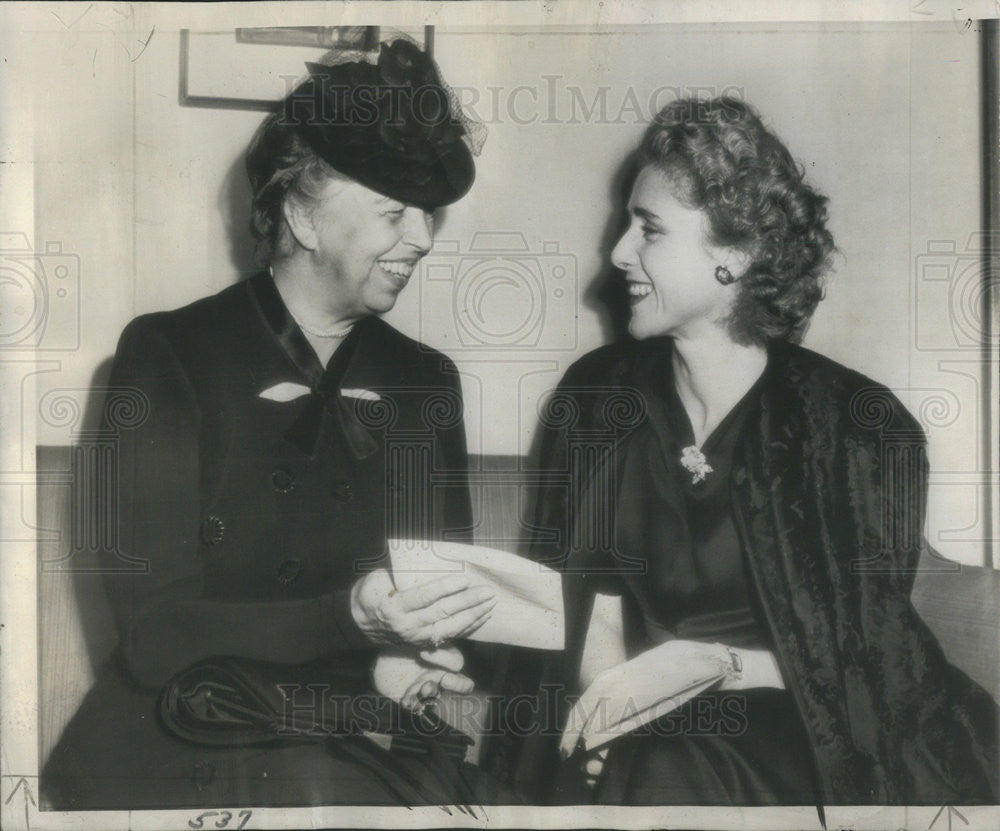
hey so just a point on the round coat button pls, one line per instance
(212, 530)
(282, 480)
(203, 774)
(289, 570)
(343, 491)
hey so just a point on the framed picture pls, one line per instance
(254, 68)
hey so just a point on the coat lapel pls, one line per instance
(326, 409)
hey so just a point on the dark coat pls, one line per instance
(244, 522)
(828, 488)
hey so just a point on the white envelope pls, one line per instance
(529, 609)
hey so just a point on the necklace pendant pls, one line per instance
(694, 462)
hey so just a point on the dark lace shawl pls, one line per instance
(829, 484)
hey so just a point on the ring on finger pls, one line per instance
(428, 702)
(436, 639)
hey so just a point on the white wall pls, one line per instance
(140, 190)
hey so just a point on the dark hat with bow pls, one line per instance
(392, 126)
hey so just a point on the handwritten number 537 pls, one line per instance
(224, 818)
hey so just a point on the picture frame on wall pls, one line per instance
(254, 68)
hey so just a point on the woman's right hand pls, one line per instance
(424, 616)
(416, 681)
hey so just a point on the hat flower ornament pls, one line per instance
(393, 126)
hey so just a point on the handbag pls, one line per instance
(229, 702)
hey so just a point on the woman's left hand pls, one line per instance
(752, 668)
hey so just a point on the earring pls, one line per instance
(724, 275)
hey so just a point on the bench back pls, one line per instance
(961, 605)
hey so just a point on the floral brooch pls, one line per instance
(694, 463)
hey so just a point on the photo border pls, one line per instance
(19, 589)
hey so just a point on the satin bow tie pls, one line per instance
(326, 399)
(327, 404)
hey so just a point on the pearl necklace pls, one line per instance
(342, 333)
(339, 334)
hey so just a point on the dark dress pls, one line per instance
(721, 748)
(242, 524)
(826, 485)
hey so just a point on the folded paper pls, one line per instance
(529, 608)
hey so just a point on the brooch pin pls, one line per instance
(693, 461)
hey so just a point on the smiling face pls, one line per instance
(366, 245)
(670, 264)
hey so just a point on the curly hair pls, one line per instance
(725, 162)
(280, 163)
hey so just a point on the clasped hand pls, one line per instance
(415, 681)
(423, 616)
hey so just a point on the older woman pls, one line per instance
(289, 433)
(743, 509)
